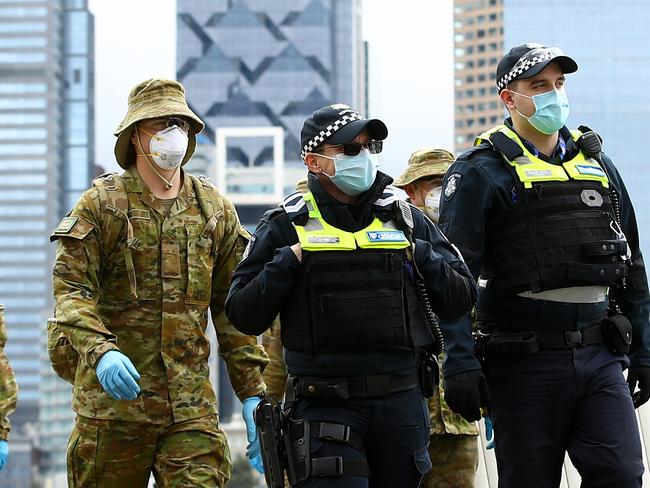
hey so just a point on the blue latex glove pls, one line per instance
(118, 376)
(253, 448)
(489, 432)
(4, 453)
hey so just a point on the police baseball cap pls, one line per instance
(526, 60)
(337, 124)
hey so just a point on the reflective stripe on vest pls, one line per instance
(318, 235)
(532, 169)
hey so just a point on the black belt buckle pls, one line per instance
(573, 338)
(327, 466)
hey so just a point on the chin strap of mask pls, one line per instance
(168, 183)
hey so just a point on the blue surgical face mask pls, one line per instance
(354, 174)
(551, 110)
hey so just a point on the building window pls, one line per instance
(482, 120)
(481, 48)
(469, 64)
(77, 76)
(481, 77)
(469, 49)
(480, 33)
(23, 57)
(6, 27)
(481, 63)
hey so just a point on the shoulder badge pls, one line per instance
(66, 225)
(453, 182)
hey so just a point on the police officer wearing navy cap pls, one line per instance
(543, 216)
(337, 263)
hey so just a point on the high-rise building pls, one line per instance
(254, 63)
(46, 143)
(478, 47)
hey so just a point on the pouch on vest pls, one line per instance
(429, 375)
(617, 331)
(512, 343)
(63, 356)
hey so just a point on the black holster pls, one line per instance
(271, 423)
(617, 332)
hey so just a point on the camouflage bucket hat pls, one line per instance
(151, 99)
(425, 162)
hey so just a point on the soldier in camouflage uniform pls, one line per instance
(8, 393)
(140, 260)
(453, 445)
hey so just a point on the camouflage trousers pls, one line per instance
(110, 453)
(454, 459)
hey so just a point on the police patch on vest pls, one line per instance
(386, 236)
(589, 170)
(324, 239)
(453, 182)
(536, 173)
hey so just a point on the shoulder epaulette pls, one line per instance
(474, 149)
(388, 197)
(294, 205)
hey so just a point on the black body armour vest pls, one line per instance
(353, 301)
(562, 234)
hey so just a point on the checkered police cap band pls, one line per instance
(326, 133)
(527, 61)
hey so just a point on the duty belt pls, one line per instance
(345, 388)
(567, 339)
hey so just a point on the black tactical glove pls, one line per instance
(466, 393)
(639, 376)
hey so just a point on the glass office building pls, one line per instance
(254, 63)
(46, 142)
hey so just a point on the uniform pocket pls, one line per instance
(82, 454)
(422, 460)
(200, 263)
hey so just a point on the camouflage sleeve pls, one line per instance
(244, 358)
(275, 374)
(76, 280)
(8, 386)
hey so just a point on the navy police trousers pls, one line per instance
(395, 429)
(568, 400)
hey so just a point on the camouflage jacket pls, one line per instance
(443, 420)
(8, 386)
(181, 265)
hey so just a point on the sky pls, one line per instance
(410, 69)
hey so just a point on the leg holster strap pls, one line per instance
(337, 466)
(336, 433)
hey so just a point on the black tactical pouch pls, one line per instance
(512, 342)
(617, 332)
(429, 374)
